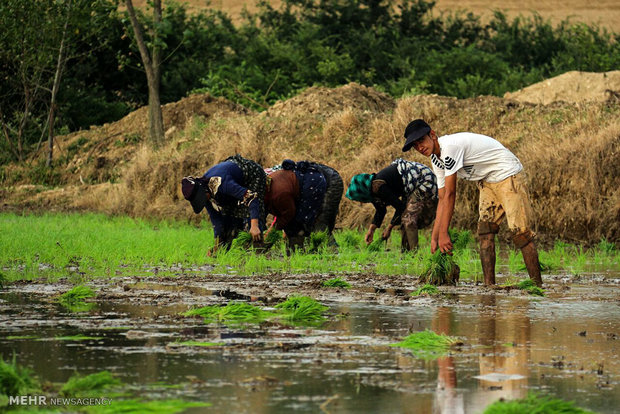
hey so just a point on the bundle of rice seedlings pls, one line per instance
(242, 241)
(460, 238)
(442, 270)
(530, 287)
(376, 245)
(88, 385)
(535, 404)
(237, 312)
(77, 294)
(317, 240)
(302, 309)
(273, 237)
(427, 289)
(350, 239)
(427, 344)
(73, 300)
(337, 282)
(16, 379)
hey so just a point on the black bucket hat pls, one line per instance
(415, 131)
(194, 192)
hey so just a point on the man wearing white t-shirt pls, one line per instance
(503, 191)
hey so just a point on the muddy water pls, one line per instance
(565, 345)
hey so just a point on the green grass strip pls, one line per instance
(427, 344)
(535, 404)
(89, 385)
(235, 312)
(150, 407)
(77, 338)
(196, 343)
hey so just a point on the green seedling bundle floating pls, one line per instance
(235, 312)
(82, 386)
(427, 344)
(337, 282)
(427, 289)
(301, 309)
(441, 270)
(530, 287)
(535, 404)
(73, 300)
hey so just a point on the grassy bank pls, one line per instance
(84, 246)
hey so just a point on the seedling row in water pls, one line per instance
(83, 246)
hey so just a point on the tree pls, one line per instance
(152, 67)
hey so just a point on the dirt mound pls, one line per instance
(574, 87)
(326, 101)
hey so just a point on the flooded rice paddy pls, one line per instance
(564, 345)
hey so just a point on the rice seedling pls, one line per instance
(317, 241)
(73, 300)
(427, 344)
(461, 239)
(530, 287)
(77, 338)
(151, 407)
(89, 385)
(242, 241)
(441, 270)
(302, 309)
(350, 239)
(427, 289)
(235, 312)
(337, 282)
(273, 237)
(534, 404)
(16, 379)
(376, 245)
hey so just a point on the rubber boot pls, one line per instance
(530, 257)
(487, 257)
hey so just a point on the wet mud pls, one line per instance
(565, 344)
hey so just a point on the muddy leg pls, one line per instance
(487, 257)
(409, 236)
(530, 257)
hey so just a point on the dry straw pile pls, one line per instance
(569, 151)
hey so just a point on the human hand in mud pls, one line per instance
(370, 234)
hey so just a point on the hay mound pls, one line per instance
(326, 101)
(573, 87)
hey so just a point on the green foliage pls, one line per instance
(74, 299)
(3, 280)
(234, 312)
(16, 379)
(302, 309)
(317, 240)
(427, 289)
(534, 404)
(350, 239)
(242, 241)
(441, 270)
(461, 239)
(196, 343)
(376, 245)
(530, 287)
(337, 282)
(76, 338)
(273, 237)
(89, 385)
(151, 407)
(427, 344)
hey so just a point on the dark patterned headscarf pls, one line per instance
(360, 188)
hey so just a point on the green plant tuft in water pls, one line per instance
(151, 407)
(77, 338)
(273, 237)
(302, 309)
(337, 282)
(461, 239)
(16, 379)
(73, 300)
(376, 245)
(442, 270)
(534, 404)
(236, 312)
(196, 343)
(350, 239)
(530, 287)
(427, 344)
(426, 290)
(89, 385)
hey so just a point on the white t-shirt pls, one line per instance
(473, 157)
